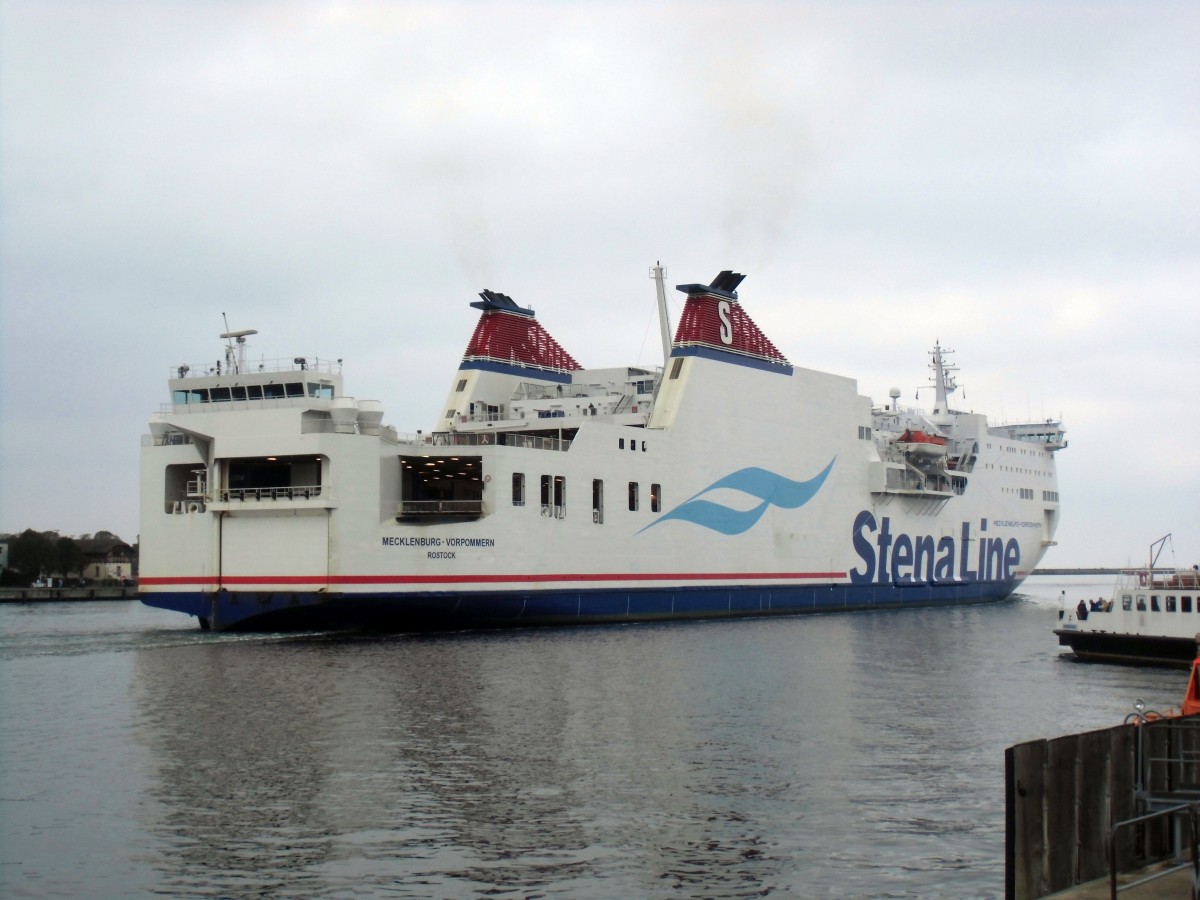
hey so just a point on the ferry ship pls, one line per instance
(728, 482)
(1152, 617)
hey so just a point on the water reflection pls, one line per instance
(526, 761)
(858, 754)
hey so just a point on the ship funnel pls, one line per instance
(714, 325)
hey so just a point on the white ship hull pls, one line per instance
(731, 484)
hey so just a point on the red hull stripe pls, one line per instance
(210, 580)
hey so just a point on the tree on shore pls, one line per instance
(33, 554)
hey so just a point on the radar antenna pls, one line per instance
(235, 365)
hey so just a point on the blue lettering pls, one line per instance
(963, 572)
(924, 552)
(902, 554)
(1012, 558)
(883, 541)
(944, 570)
(995, 559)
(864, 521)
(914, 559)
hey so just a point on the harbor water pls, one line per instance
(837, 755)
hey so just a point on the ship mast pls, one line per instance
(944, 384)
(658, 273)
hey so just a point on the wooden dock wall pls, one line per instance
(1063, 796)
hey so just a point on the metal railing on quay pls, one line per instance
(1180, 815)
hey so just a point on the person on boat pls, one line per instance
(1081, 611)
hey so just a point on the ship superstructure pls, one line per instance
(548, 492)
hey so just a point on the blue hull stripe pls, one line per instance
(434, 610)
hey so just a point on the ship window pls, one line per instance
(1127, 602)
(545, 495)
(1141, 602)
(655, 497)
(239, 392)
(196, 395)
(220, 395)
(621, 443)
(676, 367)
(462, 385)
(1170, 604)
(1185, 604)
(254, 391)
(633, 496)
(560, 495)
(598, 501)
(518, 489)
(1154, 603)
(321, 391)
(273, 391)
(295, 389)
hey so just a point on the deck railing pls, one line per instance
(431, 508)
(293, 492)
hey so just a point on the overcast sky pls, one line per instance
(1020, 181)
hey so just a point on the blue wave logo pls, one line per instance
(771, 489)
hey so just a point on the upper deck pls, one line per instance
(278, 379)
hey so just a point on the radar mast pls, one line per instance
(235, 364)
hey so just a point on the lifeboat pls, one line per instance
(922, 444)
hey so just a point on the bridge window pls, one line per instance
(321, 391)
(195, 395)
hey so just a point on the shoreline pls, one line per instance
(31, 594)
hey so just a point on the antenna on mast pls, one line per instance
(238, 365)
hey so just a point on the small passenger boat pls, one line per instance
(1152, 618)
